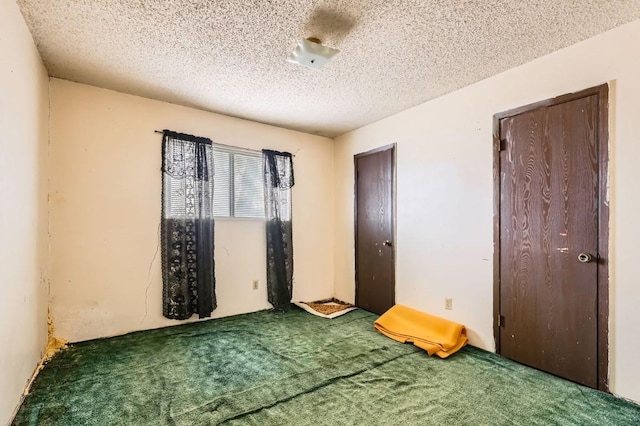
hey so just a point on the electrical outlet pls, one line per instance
(255, 284)
(448, 303)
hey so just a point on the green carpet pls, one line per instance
(267, 368)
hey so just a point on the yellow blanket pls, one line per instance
(433, 334)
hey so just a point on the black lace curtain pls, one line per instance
(187, 226)
(278, 180)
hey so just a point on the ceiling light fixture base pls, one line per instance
(311, 53)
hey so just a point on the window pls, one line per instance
(237, 187)
(238, 190)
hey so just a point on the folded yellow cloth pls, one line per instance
(433, 334)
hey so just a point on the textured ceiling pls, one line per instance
(230, 56)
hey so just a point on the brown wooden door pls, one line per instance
(375, 253)
(549, 221)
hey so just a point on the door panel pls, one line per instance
(375, 257)
(549, 202)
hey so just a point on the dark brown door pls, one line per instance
(549, 238)
(374, 230)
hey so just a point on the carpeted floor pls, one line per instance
(267, 368)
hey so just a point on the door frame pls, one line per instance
(356, 157)
(602, 92)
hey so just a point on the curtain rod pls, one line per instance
(235, 148)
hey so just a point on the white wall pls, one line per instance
(444, 191)
(105, 212)
(24, 105)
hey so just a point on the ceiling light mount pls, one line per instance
(311, 53)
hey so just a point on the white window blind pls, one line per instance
(238, 190)
(221, 184)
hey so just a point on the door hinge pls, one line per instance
(500, 320)
(502, 145)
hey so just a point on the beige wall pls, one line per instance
(105, 210)
(444, 191)
(24, 105)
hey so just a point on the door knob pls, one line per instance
(387, 243)
(584, 257)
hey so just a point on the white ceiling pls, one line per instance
(230, 56)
